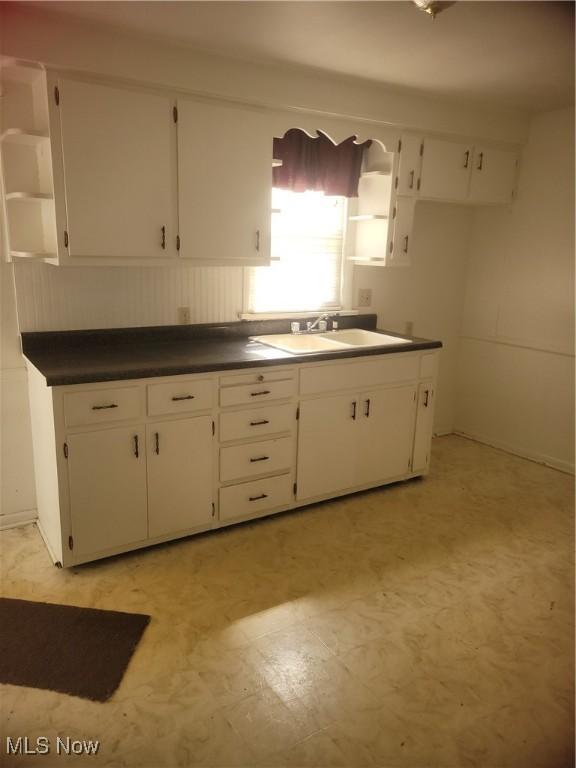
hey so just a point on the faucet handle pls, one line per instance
(295, 326)
(322, 325)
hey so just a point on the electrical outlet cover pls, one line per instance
(183, 315)
(364, 297)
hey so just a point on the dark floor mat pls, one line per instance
(80, 651)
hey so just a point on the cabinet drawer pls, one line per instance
(179, 397)
(259, 458)
(257, 421)
(259, 496)
(99, 406)
(387, 369)
(257, 376)
(254, 394)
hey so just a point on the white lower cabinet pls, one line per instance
(120, 465)
(107, 483)
(386, 428)
(179, 461)
(355, 440)
(327, 445)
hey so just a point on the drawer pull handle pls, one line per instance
(259, 423)
(257, 498)
(104, 407)
(182, 397)
(263, 392)
(157, 443)
(426, 398)
(260, 458)
(136, 451)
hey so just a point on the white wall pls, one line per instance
(17, 494)
(516, 371)
(429, 293)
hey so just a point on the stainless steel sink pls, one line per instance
(331, 341)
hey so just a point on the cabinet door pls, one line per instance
(424, 424)
(493, 175)
(119, 150)
(387, 432)
(225, 183)
(107, 480)
(400, 255)
(327, 439)
(445, 170)
(180, 459)
(409, 165)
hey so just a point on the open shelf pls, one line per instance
(29, 196)
(32, 255)
(367, 216)
(20, 136)
(277, 163)
(366, 174)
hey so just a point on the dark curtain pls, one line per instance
(317, 164)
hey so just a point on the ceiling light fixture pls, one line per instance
(432, 7)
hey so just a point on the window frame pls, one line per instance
(345, 299)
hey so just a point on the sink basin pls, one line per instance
(332, 341)
(301, 344)
(357, 337)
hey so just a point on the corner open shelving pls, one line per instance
(27, 183)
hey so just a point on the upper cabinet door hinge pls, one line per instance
(65, 450)
(399, 145)
(57, 95)
(177, 242)
(175, 114)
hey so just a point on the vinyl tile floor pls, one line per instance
(425, 624)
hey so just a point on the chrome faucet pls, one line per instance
(321, 321)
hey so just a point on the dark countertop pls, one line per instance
(81, 357)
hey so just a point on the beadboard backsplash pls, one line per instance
(68, 298)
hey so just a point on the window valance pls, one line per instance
(317, 164)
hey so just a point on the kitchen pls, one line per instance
(475, 282)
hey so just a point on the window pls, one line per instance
(307, 245)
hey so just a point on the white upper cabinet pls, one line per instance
(445, 170)
(408, 165)
(119, 157)
(493, 175)
(224, 183)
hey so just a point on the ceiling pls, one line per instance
(513, 55)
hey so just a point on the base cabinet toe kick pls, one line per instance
(125, 464)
